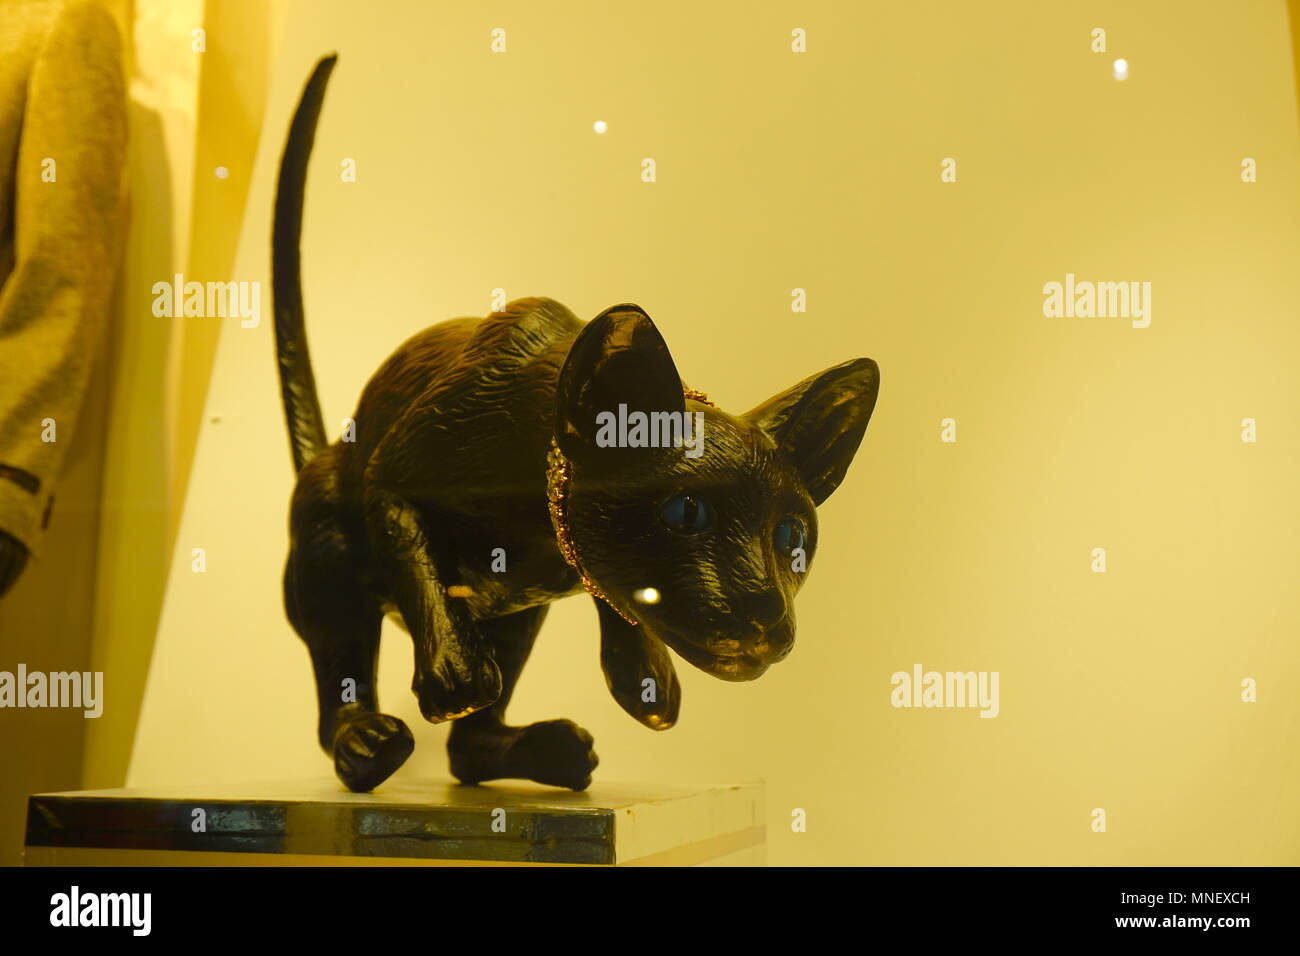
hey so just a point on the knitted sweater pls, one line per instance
(62, 152)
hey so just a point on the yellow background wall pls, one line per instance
(191, 112)
(821, 171)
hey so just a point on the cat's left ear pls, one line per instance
(820, 422)
(619, 358)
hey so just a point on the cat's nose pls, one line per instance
(762, 609)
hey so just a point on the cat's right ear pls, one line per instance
(819, 423)
(619, 358)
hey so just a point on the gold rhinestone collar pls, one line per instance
(559, 475)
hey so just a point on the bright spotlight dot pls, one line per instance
(599, 126)
(647, 595)
(1121, 69)
(221, 172)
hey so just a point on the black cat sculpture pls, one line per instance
(499, 464)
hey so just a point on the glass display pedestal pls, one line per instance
(404, 823)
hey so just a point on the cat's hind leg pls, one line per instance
(482, 746)
(339, 621)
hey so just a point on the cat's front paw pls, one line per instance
(557, 753)
(368, 748)
(456, 685)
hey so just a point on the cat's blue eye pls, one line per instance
(790, 535)
(686, 514)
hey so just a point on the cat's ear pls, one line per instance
(619, 358)
(820, 422)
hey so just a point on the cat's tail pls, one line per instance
(297, 383)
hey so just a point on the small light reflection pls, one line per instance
(647, 595)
